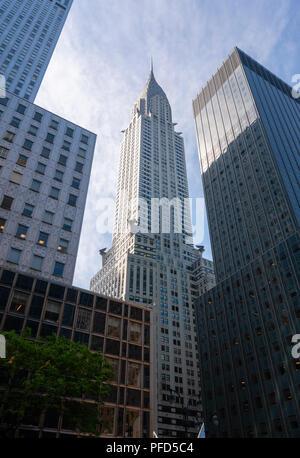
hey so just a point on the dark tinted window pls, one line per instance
(136, 313)
(48, 330)
(13, 322)
(36, 307)
(135, 352)
(41, 286)
(101, 303)
(99, 323)
(56, 291)
(115, 307)
(147, 316)
(86, 299)
(112, 347)
(97, 343)
(68, 316)
(65, 333)
(71, 295)
(147, 335)
(7, 277)
(24, 282)
(33, 326)
(4, 293)
(81, 337)
(133, 397)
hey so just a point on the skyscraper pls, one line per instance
(247, 124)
(29, 32)
(152, 258)
(45, 166)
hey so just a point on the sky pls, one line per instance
(102, 62)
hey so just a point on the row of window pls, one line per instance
(28, 211)
(36, 263)
(54, 124)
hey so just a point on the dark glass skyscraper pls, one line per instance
(247, 126)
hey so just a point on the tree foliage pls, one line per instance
(54, 375)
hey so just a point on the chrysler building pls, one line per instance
(152, 260)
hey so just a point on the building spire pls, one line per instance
(151, 71)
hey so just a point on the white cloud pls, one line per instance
(102, 61)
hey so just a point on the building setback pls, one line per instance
(247, 125)
(29, 32)
(45, 165)
(121, 330)
(152, 257)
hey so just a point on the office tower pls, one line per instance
(122, 331)
(247, 124)
(150, 261)
(45, 165)
(29, 32)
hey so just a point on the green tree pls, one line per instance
(54, 375)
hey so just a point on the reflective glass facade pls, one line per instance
(246, 123)
(122, 331)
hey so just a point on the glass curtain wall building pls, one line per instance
(29, 32)
(247, 124)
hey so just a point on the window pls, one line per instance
(35, 185)
(22, 160)
(3, 152)
(84, 139)
(14, 255)
(62, 159)
(54, 124)
(9, 136)
(63, 245)
(16, 177)
(45, 152)
(2, 224)
(28, 210)
(19, 302)
(58, 269)
(50, 138)
(7, 202)
(72, 200)
(33, 130)
(79, 167)
(41, 168)
(54, 193)
(67, 225)
(21, 109)
(66, 145)
(37, 262)
(69, 132)
(15, 122)
(52, 311)
(48, 217)
(22, 231)
(37, 116)
(114, 327)
(82, 152)
(27, 144)
(43, 238)
(75, 183)
(58, 175)
(4, 101)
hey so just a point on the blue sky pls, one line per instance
(102, 62)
